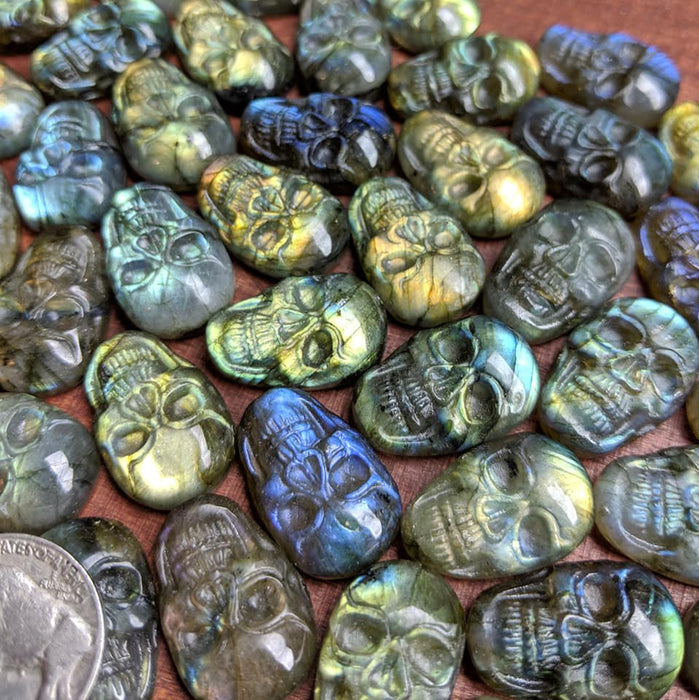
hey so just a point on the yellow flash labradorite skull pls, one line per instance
(475, 173)
(679, 133)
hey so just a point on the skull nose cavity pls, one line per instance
(445, 381)
(565, 258)
(390, 674)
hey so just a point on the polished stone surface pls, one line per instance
(593, 154)
(83, 60)
(232, 54)
(506, 507)
(613, 71)
(20, 106)
(447, 389)
(318, 486)
(235, 613)
(25, 23)
(559, 268)
(619, 375)
(10, 228)
(647, 507)
(54, 309)
(168, 269)
(690, 667)
(117, 565)
(396, 632)
(49, 464)
(71, 169)
(679, 133)
(418, 258)
(668, 255)
(335, 140)
(170, 127)
(585, 629)
(307, 332)
(693, 410)
(276, 221)
(164, 431)
(485, 78)
(473, 172)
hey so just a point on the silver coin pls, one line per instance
(51, 626)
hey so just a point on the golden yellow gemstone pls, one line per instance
(679, 132)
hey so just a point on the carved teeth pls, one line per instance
(657, 508)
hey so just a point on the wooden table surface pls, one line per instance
(672, 26)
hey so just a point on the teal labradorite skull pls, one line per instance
(25, 23)
(619, 375)
(397, 631)
(584, 630)
(163, 429)
(506, 507)
(307, 332)
(418, 258)
(473, 172)
(448, 388)
(235, 613)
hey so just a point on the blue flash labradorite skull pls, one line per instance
(506, 507)
(117, 565)
(169, 270)
(593, 154)
(10, 228)
(344, 50)
(54, 309)
(474, 173)
(163, 429)
(612, 71)
(396, 632)
(98, 43)
(234, 611)
(319, 488)
(335, 140)
(20, 106)
(418, 258)
(486, 78)
(72, 168)
(586, 629)
(308, 332)
(48, 464)
(170, 127)
(668, 257)
(25, 23)
(279, 222)
(679, 133)
(647, 507)
(448, 388)
(424, 25)
(619, 375)
(560, 268)
(230, 53)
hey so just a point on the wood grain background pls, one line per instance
(671, 25)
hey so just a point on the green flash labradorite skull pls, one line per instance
(619, 375)
(25, 23)
(396, 632)
(560, 268)
(235, 613)
(647, 507)
(306, 332)
(170, 127)
(10, 227)
(506, 507)
(679, 133)
(163, 429)
(277, 221)
(475, 173)
(485, 78)
(20, 106)
(690, 668)
(584, 630)
(423, 25)
(232, 54)
(448, 388)
(418, 258)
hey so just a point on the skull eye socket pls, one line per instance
(622, 133)
(620, 333)
(192, 108)
(182, 403)
(62, 314)
(297, 514)
(464, 184)
(127, 439)
(317, 349)
(459, 350)
(267, 236)
(488, 92)
(535, 536)
(612, 672)
(430, 657)
(360, 634)
(598, 167)
(337, 110)
(253, 39)
(24, 428)
(665, 374)
(477, 50)
(554, 228)
(188, 247)
(349, 476)
(603, 597)
(119, 583)
(362, 34)
(327, 151)
(262, 600)
(505, 473)
(308, 297)
(480, 403)
(135, 272)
